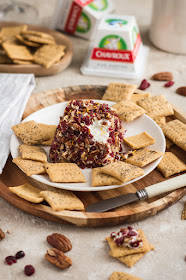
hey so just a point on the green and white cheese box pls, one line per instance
(80, 17)
(117, 50)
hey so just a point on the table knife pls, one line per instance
(148, 192)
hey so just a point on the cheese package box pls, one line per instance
(117, 50)
(80, 17)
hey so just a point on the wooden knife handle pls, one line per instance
(166, 186)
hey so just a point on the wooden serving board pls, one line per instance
(13, 176)
(38, 70)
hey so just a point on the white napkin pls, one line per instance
(15, 90)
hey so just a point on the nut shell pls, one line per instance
(59, 242)
(58, 258)
(162, 76)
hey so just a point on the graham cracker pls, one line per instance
(144, 156)
(121, 251)
(30, 167)
(170, 165)
(122, 171)
(130, 260)
(62, 200)
(127, 110)
(119, 91)
(65, 173)
(116, 275)
(17, 52)
(156, 106)
(138, 141)
(28, 192)
(169, 143)
(26, 42)
(160, 120)
(37, 39)
(33, 153)
(12, 31)
(49, 54)
(34, 133)
(101, 179)
(183, 215)
(176, 132)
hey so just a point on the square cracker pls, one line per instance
(116, 275)
(176, 132)
(156, 106)
(65, 173)
(33, 153)
(160, 120)
(122, 171)
(28, 192)
(22, 62)
(144, 156)
(38, 39)
(127, 110)
(138, 141)
(17, 52)
(170, 165)
(138, 95)
(34, 133)
(121, 251)
(62, 200)
(130, 260)
(118, 91)
(26, 42)
(49, 54)
(101, 179)
(12, 31)
(37, 33)
(30, 167)
(169, 143)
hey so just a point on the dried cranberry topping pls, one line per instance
(29, 270)
(130, 228)
(144, 84)
(113, 234)
(169, 84)
(135, 244)
(10, 260)
(20, 255)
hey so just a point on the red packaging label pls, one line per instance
(117, 55)
(72, 20)
(84, 2)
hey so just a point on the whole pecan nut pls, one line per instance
(58, 258)
(2, 234)
(59, 242)
(181, 91)
(163, 76)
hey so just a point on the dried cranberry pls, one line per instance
(130, 228)
(135, 244)
(113, 234)
(144, 84)
(169, 84)
(132, 233)
(20, 255)
(29, 270)
(10, 260)
(119, 241)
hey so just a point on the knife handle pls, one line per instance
(166, 186)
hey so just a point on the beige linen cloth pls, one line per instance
(15, 90)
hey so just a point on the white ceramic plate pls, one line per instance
(51, 115)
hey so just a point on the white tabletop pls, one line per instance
(166, 230)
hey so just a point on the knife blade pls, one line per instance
(148, 192)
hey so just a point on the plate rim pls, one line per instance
(90, 188)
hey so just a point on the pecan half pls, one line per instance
(163, 76)
(58, 258)
(59, 242)
(181, 91)
(2, 234)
